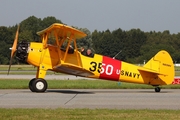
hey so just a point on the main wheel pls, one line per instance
(39, 85)
(31, 85)
(157, 89)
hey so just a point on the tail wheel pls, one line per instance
(38, 85)
(157, 89)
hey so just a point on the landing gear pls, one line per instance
(31, 86)
(38, 85)
(157, 89)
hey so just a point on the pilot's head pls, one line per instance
(88, 51)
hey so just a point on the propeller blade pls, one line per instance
(13, 48)
(15, 43)
(10, 62)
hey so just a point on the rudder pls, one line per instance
(162, 64)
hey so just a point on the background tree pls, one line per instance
(6, 35)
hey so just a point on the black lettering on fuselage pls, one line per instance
(122, 72)
(126, 73)
(166, 65)
(134, 75)
(130, 74)
(138, 75)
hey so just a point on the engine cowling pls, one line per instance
(22, 51)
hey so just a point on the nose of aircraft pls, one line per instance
(22, 51)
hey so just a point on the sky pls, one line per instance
(147, 15)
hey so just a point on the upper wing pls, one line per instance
(62, 30)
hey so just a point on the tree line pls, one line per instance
(137, 46)
(133, 46)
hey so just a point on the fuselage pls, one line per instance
(101, 67)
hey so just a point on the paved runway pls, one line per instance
(91, 98)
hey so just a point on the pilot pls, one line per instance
(89, 53)
(71, 49)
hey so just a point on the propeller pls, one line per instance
(13, 48)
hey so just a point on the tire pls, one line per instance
(157, 89)
(31, 85)
(39, 85)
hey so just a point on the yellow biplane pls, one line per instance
(55, 53)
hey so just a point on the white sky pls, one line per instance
(148, 15)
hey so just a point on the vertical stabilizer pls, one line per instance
(162, 64)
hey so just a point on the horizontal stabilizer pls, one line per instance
(150, 71)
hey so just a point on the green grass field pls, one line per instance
(87, 114)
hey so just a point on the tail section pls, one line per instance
(162, 65)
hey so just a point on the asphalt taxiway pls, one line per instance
(91, 98)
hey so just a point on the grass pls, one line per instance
(17, 67)
(88, 114)
(79, 84)
(26, 73)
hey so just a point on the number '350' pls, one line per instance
(101, 68)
